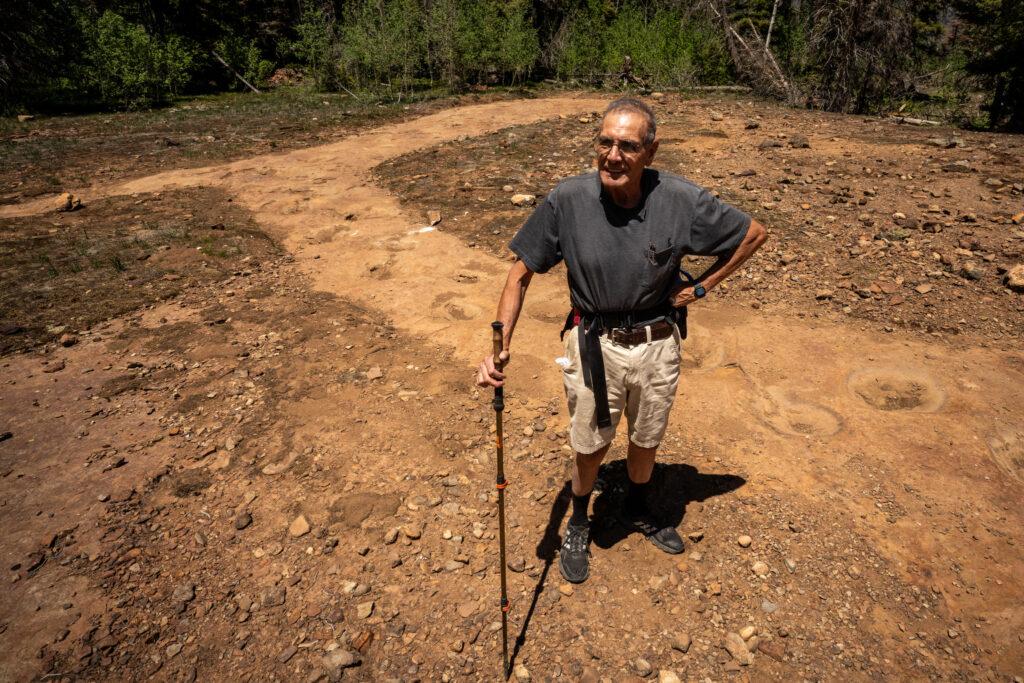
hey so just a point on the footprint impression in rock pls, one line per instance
(455, 308)
(790, 415)
(701, 350)
(897, 389)
(1007, 448)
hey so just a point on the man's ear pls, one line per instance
(651, 151)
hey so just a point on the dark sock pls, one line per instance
(636, 497)
(579, 509)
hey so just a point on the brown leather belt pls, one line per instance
(631, 336)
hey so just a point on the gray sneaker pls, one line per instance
(665, 538)
(574, 557)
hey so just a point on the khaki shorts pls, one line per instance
(641, 379)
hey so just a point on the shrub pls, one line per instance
(317, 45)
(128, 68)
(245, 57)
(382, 41)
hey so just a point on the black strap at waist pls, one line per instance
(592, 325)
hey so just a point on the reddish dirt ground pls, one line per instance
(280, 469)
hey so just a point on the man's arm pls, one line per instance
(509, 306)
(725, 265)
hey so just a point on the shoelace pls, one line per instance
(575, 541)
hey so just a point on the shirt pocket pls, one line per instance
(659, 267)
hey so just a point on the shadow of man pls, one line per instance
(673, 486)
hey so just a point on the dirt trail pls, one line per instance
(919, 447)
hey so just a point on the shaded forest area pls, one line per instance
(960, 59)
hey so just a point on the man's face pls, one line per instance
(621, 154)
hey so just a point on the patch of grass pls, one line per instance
(49, 154)
(87, 266)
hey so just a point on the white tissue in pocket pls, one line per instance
(563, 362)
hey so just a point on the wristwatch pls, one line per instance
(698, 288)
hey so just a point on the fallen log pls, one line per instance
(911, 121)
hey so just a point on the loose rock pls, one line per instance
(735, 646)
(523, 200)
(298, 527)
(642, 668)
(242, 520)
(682, 642)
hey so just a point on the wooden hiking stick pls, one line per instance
(501, 483)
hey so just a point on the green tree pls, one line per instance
(382, 42)
(128, 67)
(995, 49)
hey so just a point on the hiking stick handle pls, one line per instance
(498, 342)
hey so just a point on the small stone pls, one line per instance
(854, 571)
(391, 535)
(668, 676)
(735, 646)
(434, 217)
(103, 497)
(642, 667)
(523, 200)
(790, 565)
(695, 536)
(744, 541)
(747, 632)
(1014, 278)
(374, 373)
(518, 565)
(23, 118)
(682, 642)
(971, 270)
(298, 527)
(242, 520)
(287, 654)
(365, 609)
(340, 659)
(768, 607)
(923, 289)
(799, 142)
(752, 125)
(823, 294)
(186, 592)
(566, 589)
(468, 609)
(412, 531)
(521, 673)
(952, 633)
(67, 340)
(56, 366)
(760, 568)
(173, 649)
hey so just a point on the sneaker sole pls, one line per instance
(664, 548)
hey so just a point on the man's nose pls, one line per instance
(615, 153)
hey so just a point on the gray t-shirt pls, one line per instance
(626, 259)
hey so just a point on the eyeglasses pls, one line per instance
(604, 145)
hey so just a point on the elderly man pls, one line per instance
(621, 232)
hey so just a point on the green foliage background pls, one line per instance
(843, 55)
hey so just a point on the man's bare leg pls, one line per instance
(636, 512)
(584, 471)
(640, 463)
